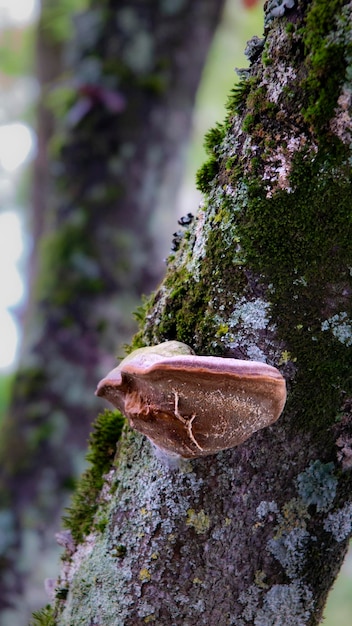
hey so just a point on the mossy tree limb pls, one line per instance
(255, 535)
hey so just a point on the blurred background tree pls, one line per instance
(117, 86)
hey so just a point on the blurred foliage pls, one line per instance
(60, 99)
(5, 393)
(16, 51)
(57, 17)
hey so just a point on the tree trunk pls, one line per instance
(255, 534)
(125, 108)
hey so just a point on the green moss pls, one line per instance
(206, 175)
(101, 525)
(138, 341)
(261, 114)
(238, 96)
(44, 617)
(141, 311)
(189, 316)
(190, 310)
(102, 448)
(267, 60)
(290, 28)
(213, 139)
(184, 308)
(258, 103)
(140, 314)
(231, 163)
(325, 63)
(248, 122)
(303, 246)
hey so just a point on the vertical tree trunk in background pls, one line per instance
(49, 65)
(133, 71)
(254, 535)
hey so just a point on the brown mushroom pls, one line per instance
(190, 405)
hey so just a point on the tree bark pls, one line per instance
(254, 535)
(125, 107)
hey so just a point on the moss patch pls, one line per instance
(208, 172)
(44, 617)
(325, 62)
(301, 243)
(102, 448)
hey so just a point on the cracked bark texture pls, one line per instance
(123, 115)
(255, 535)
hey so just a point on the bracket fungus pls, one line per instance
(193, 406)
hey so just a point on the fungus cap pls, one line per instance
(190, 405)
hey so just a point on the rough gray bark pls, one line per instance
(118, 151)
(254, 535)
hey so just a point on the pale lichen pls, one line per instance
(290, 550)
(339, 523)
(317, 485)
(265, 508)
(340, 326)
(239, 328)
(200, 521)
(285, 75)
(250, 599)
(199, 249)
(144, 575)
(278, 166)
(341, 124)
(288, 605)
(277, 8)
